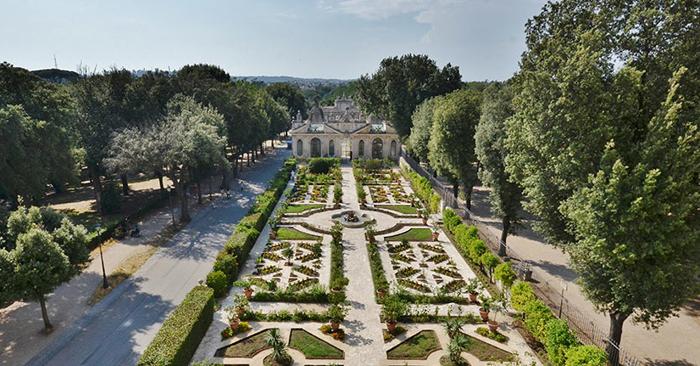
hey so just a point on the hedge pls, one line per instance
(179, 337)
(585, 356)
(423, 189)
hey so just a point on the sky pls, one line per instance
(305, 38)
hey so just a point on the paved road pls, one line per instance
(117, 330)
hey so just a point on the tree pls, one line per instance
(290, 96)
(490, 138)
(605, 154)
(422, 127)
(637, 226)
(401, 84)
(7, 277)
(188, 138)
(279, 352)
(451, 146)
(41, 266)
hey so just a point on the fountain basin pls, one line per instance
(352, 219)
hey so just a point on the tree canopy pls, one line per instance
(401, 84)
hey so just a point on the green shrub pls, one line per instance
(111, 198)
(558, 340)
(465, 234)
(179, 337)
(504, 273)
(476, 249)
(217, 281)
(585, 356)
(451, 219)
(489, 261)
(228, 264)
(521, 294)
(537, 315)
(322, 165)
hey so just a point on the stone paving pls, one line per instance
(364, 343)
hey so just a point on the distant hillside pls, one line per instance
(57, 75)
(304, 83)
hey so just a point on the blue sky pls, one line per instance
(306, 38)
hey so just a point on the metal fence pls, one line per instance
(551, 294)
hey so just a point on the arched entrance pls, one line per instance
(315, 147)
(361, 149)
(392, 150)
(331, 148)
(377, 149)
(300, 147)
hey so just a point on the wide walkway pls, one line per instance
(118, 329)
(675, 343)
(362, 321)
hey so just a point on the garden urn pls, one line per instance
(484, 314)
(493, 326)
(391, 326)
(472, 296)
(248, 292)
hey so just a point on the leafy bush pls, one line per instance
(228, 264)
(537, 315)
(504, 273)
(489, 261)
(521, 294)
(111, 198)
(423, 189)
(322, 165)
(451, 219)
(558, 340)
(498, 337)
(585, 356)
(476, 249)
(465, 234)
(217, 281)
(179, 337)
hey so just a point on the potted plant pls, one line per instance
(247, 287)
(472, 288)
(424, 216)
(289, 254)
(241, 304)
(381, 292)
(436, 233)
(485, 307)
(336, 314)
(233, 322)
(498, 306)
(273, 228)
(394, 307)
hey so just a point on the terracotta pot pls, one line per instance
(381, 293)
(248, 292)
(335, 325)
(493, 326)
(391, 326)
(435, 235)
(484, 315)
(425, 222)
(273, 235)
(472, 296)
(233, 323)
(240, 311)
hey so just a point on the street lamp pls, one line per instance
(105, 284)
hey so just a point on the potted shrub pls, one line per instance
(233, 322)
(424, 216)
(336, 314)
(381, 292)
(436, 233)
(498, 306)
(241, 305)
(485, 307)
(394, 307)
(472, 288)
(247, 287)
(289, 254)
(273, 227)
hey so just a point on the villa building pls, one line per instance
(342, 130)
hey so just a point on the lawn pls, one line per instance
(414, 234)
(288, 233)
(245, 348)
(486, 352)
(402, 209)
(293, 209)
(418, 347)
(312, 347)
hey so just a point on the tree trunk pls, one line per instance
(97, 188)
(44, 313)
(160, 181)
(468, 195)
(615, 335)
(57, 187)
(248, 160)
(199, 192)
(125, 184)
(262, 149)
(455, 189)
(184, 204)
(504, 236)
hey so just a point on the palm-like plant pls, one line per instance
(279, 353)
(457, 345)
(289, 254)
(453, 326)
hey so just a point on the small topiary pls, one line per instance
(504, 273)
(558, 340)
(521, 294)
(476, 249)
(585, 356)
(228, 264)
(537, 314)
(217, 281)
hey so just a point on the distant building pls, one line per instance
(342, 130)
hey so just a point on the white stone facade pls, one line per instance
(343, 131)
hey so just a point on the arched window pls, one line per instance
(331, 148)
(392, 152)
(315, 147)
(377, 149)
(361, 149)
(300, 147)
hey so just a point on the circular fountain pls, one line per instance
(352, 219)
